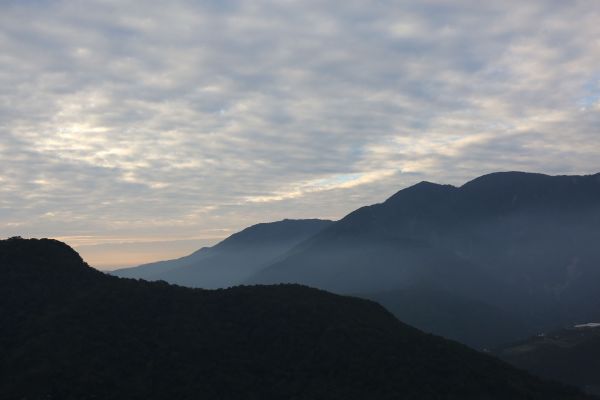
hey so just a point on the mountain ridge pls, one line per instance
(232, 260)
(86, 335)
(529, 237)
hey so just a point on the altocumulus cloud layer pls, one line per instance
(142, 121)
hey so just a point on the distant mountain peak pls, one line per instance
(506, 177)
(421, 190)
(273, 231)
(426, 184)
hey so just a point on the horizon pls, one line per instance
(141, 132)
(126, 254)
(123, 251)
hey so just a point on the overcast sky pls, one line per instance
(143, 130)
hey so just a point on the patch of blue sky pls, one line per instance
(590, 100)
(592, 93)
(338, 179)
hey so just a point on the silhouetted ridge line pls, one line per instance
(42, 255)
(95, 336)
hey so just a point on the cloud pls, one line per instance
(150, 120)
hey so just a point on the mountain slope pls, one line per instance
(570, 355)
(522, 243)
(233, 260)
(434, 310)
(70, 332)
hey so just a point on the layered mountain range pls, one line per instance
(68, 331)
(521, 246)
(497, 259)
(232, 261)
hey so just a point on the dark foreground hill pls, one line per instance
(519, 249)
(233, 260)
(570, 355)
(70, 332)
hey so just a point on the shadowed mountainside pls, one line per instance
(570, 355)
(70, 332)
(434, 310)
(233, 260)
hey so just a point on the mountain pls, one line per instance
(522, 244)
(233, 260)
(68, 331)
(434, 310)
(570, 355)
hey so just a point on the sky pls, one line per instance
(143, 130)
